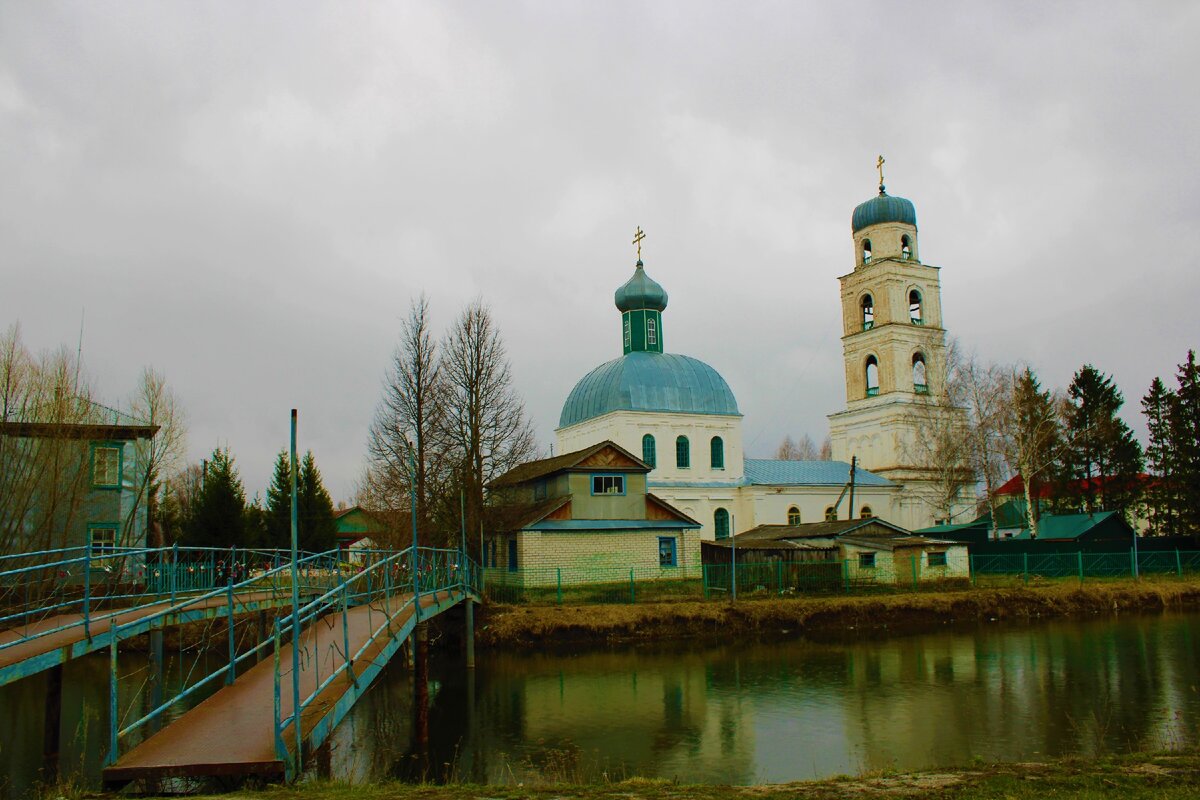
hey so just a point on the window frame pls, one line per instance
(721, 521)
(943, 560)
(793, 511)
(96, 447)
(716, 453)
(651, 330)
(866, 513)
(651, 451)
(866, 560)
(617, 477)
(674, 547)
(683, 452)
(541, 490)
(93, 528)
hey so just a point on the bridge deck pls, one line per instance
(231, 733)
(23, 658)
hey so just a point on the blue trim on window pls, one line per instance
(92, 527)
(648, 451)
(866, 561)
(120, 448)
(721, 523)
(620, 481)
(683, 453)
(668, 551)
(716, 452)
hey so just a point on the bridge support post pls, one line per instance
(53, 724)
(262, 634)
(470, 611)
(156, 672)
(420, 641)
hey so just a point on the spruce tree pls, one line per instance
(1162, 494)
(1185, 439)
(218, 517)
(317, 530)
(279, 503)
(1103, 459)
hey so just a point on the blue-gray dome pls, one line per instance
(883, 208)
(640, 292)
(642, 381)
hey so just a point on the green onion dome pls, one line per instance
(640, 292)
(883, 208)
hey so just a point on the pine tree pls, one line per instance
(218, 517)
(279, 504)
(1162, 494)
(1185, 439)
(1103, 459)
(317, 530)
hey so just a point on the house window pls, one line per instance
(914, 308)
(868, 312)
(721, 523)
(106, 466)
(866, 561)
(648, 454)
(865, 513)
(793, 516)
(651, 333)
(667, 551)
(866, 251)
(683, 453)
(608, 484)
(539, 490)
(872, 374)
(905, 248)
(830, 514)
(103, 537)
(717, 453)
(937, 559)
(920, 382)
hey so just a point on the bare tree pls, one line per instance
(158, 456)
(408, 415)
(1031, 424)
(826, 452)
(484, 428)
(983, 394)
(803, 450)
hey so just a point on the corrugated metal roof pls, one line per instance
(772, 472)
(610, 525)
(649, 382)
(1066, 526)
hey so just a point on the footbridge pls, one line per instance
(288, 673)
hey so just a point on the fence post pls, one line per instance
(1133, 563)
(174, 570)
(1178, 564)
(779, 576)
(1079, 555)
(346, 630)
(114, 721)
(632, 596)
(87, 589)
(846, 575)
(971, 568)
(704, 579)
(558, 580)
(232, 673)
(1025, 567)
(913, 560)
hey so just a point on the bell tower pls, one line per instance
(894, 350)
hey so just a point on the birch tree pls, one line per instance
(1032, 435)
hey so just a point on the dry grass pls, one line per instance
(507, 626)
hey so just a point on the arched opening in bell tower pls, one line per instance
(905, 247)
(866, 251)
(914, 308)
(920, 381)
(872, 375)
(868, 312)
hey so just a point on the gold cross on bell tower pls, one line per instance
(879, 166)
(637, 239)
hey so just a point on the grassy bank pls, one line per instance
(514, 625)
(1167, 776)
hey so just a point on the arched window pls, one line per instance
(866, 251)
(914, 308)
(683, 453)
(865, 513)
(717, 453)
(905, 247)
(793, 516)
(868, 312)
(872, 376)
(721, 523)
(648, 454)
(920, 382)
(830, 514)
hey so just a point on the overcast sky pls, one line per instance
(248, 195)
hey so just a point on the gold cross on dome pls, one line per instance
(879, 166)
(637, 239)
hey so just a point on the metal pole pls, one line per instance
(295, 604)
(853, 469)
(232, 673)
(462, 513)
(174, 569)
(1135, 556)
(113, 720)
(412, 475)
(733, 556)
(87, 589)
(470, 633)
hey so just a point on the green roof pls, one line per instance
(1067, 526)
(883, 208)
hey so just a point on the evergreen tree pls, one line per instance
(1162, 494)
(1103, 459)
(1185, 440)
(279, 504)
(257, 534)
(218, 516)
(317, 530)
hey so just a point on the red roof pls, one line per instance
(1041, 490)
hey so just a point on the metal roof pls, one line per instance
(883, 208)
(639, 292)
(772, 472)
(610, 525)
(640, 381)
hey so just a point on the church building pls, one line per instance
(682, 418)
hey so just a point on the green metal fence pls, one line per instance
(583, 585)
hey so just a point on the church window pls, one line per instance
(914, 308)
(651, 333)
(866, 251)
(830, 514)
(920, 381)
(717, 453)
(868, 312)
(793, 516)
(865, 513)
(721, 523)
(872, 376)
(683, 453)
(905, 248)
(648, 454)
